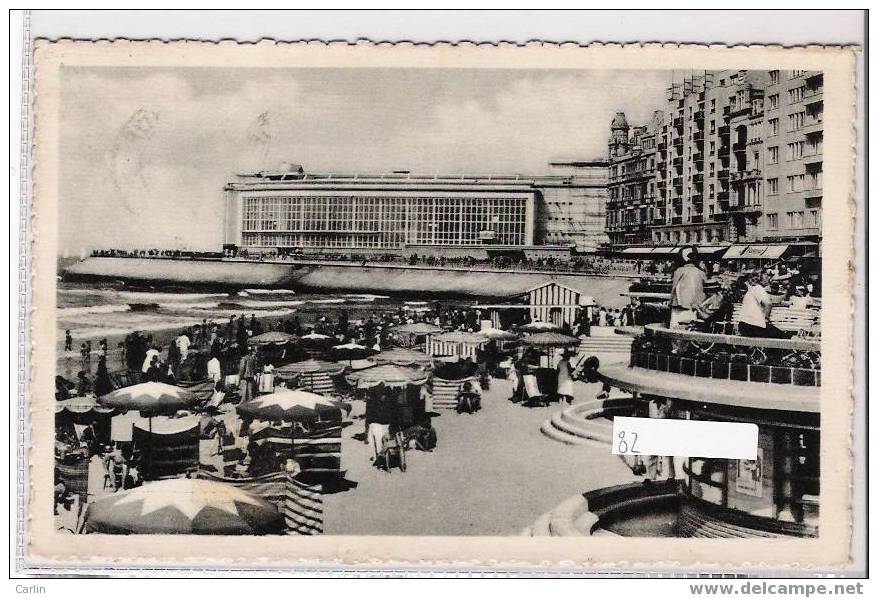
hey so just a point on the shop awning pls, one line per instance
(755, 252)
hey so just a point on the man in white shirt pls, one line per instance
(183, 343)
(150, 353)
(755, 316)
(214, 371)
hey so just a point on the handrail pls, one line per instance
(732, 339)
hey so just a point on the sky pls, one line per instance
(145, 152)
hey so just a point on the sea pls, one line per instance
(93, 311)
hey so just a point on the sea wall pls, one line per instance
(181, 271)
(353, 277)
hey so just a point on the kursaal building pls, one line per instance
(290, 208)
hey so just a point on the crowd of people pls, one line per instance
(704, 293)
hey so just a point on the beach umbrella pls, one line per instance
(293, 405)
(389, 375)
(351, 351)
(81, 405)
(315, 340)
(539, 327)
(551, 339)
(311, 371)
(184, 506)
(310, 366)
(150, 398)
(274, 337)
(402, 357)
(497, 335)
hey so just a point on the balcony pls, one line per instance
(812, 94)
(698, 218)
(698, 158)
(723, 152)
(678, 161)
(678, 182)
(812, 125)
(740, 146)
(676, 220)
(698, 199)
(723, 130)
(813, 193)
(662, 147)
(723, 174)
(678, 122)
(698, 178)
(744, 175)
(699, 114)
(812, 159)
(752, 209)
(678, 143)
(722, 196)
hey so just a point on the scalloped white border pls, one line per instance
(357, 552)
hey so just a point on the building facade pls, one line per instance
(292, 209)
(738, 159)
(631, 187)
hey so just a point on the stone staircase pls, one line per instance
(587, 423)
(607, 346)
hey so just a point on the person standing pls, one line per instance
(214, 368)
(151, 353)
(755, 316)
(183, 343)
(687, 288)
(68, 341)
(565, 380)
(247, 375)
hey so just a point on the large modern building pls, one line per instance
(290, 208)
(738, 159)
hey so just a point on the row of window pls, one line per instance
(349, 221)
(809, 181)
(794, 220)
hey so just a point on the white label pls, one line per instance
(684, 438)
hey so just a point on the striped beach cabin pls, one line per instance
(550, 301)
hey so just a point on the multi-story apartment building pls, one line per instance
(793, 143)
(738, 159)
(631, 189)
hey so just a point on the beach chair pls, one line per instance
(533, 397)
(393, 451)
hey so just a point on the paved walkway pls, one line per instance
(493, 473)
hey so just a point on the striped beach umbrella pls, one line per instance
(497, 334)
(389, 375)
(310, 366)
(184, 506)
(539, 327)
(551, 339)
(293, 405)
(274, 337)
(402, 357)
(150, 398)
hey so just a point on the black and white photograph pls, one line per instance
(390, 300)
